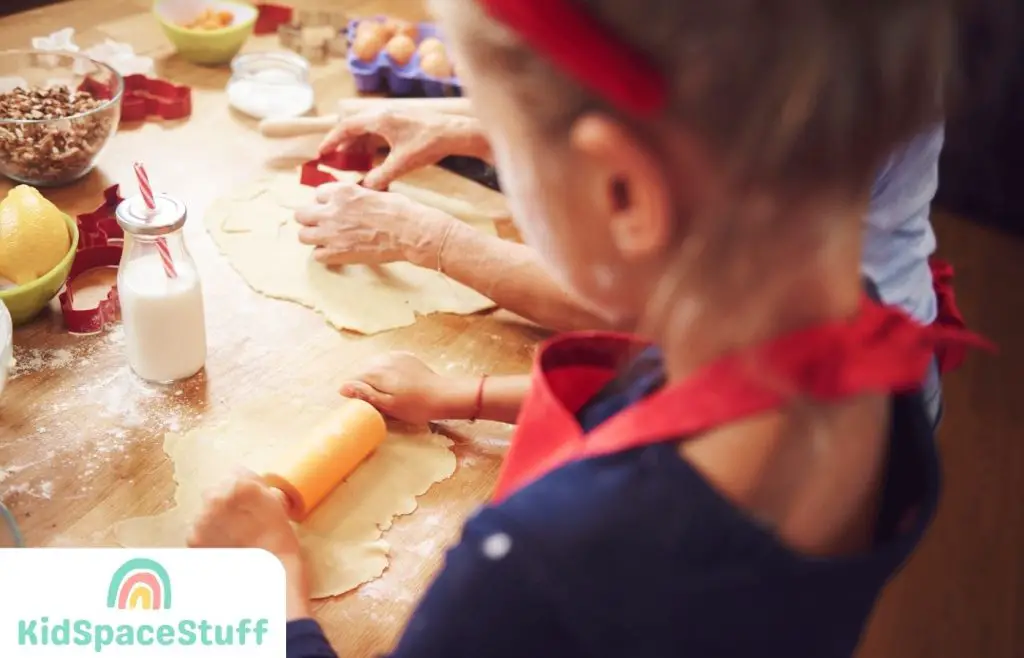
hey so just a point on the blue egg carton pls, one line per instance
(384, 75)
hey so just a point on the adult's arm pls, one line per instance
(510, 274)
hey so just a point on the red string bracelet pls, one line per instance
(479, 406)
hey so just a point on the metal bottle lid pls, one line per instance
(134, 217)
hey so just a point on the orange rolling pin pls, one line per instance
(330, 453)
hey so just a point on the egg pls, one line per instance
(368, 45)
(436, 64)
(390, 27)
(368, 26)
(410, 30)
(431, 45)
(401, 49)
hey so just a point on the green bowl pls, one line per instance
(26, 301)
(206, 47)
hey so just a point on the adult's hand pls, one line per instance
(417, 139)
(352, 225)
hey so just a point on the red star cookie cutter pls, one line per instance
(146, 97)
(100, 244)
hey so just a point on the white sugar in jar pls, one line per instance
(160, 292)
(270, 85)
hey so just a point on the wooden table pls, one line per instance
(81, 439)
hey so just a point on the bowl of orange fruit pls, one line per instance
(206, 32)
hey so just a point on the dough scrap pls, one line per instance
(342, 539)
(253, 227)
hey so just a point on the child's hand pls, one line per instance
(246, 513)
(403, 387)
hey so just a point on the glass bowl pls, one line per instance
(48, 138)
(6, 344)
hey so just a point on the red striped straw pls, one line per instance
(147, 197)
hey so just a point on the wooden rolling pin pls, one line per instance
(328, 455)
(299, 126)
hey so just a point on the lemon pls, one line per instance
(33, 235)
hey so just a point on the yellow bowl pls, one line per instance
(206, 47)
(26, 301)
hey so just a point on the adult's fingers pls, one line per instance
(349, 129)
(397, 164)
(314, 235)
(309, 216)
(335, 256)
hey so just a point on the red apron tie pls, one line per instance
(880, 350)
(949, 356)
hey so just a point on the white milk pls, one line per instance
(164, 325)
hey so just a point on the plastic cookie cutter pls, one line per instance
(350, 160)
(270, 17)
(315, 34)
(99, 246)
(146, 97)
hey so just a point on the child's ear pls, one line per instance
(635, 193)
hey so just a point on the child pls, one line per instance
(744, 475)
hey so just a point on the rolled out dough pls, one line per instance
(342, 538)
(254, 228)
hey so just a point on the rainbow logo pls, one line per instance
(140, 584)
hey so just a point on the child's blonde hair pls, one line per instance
(793, 100)
(786, 92)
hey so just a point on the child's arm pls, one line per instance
(488, 600)
(305, 639)
(403, 387)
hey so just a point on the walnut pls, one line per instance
(52, 151)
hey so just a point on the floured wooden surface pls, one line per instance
(342, 539)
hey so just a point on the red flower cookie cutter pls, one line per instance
(351, 160)
(270, 17)
(99, 245)
(146, 97)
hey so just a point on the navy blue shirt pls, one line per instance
(635, 554)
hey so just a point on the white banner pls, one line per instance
(167, 603)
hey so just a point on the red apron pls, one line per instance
(881, 350)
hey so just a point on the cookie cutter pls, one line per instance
(152, 97)
(269, 17)
(315, 34)
(334, 18)
(146, 97)
(349, 160)
(100, 244)
(304, 42)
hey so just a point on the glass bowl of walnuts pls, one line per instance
(57, 113)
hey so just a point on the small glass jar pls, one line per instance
(160, 293)
(270, 85)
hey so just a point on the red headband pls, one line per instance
(585, 50)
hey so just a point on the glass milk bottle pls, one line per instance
(160, 293)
